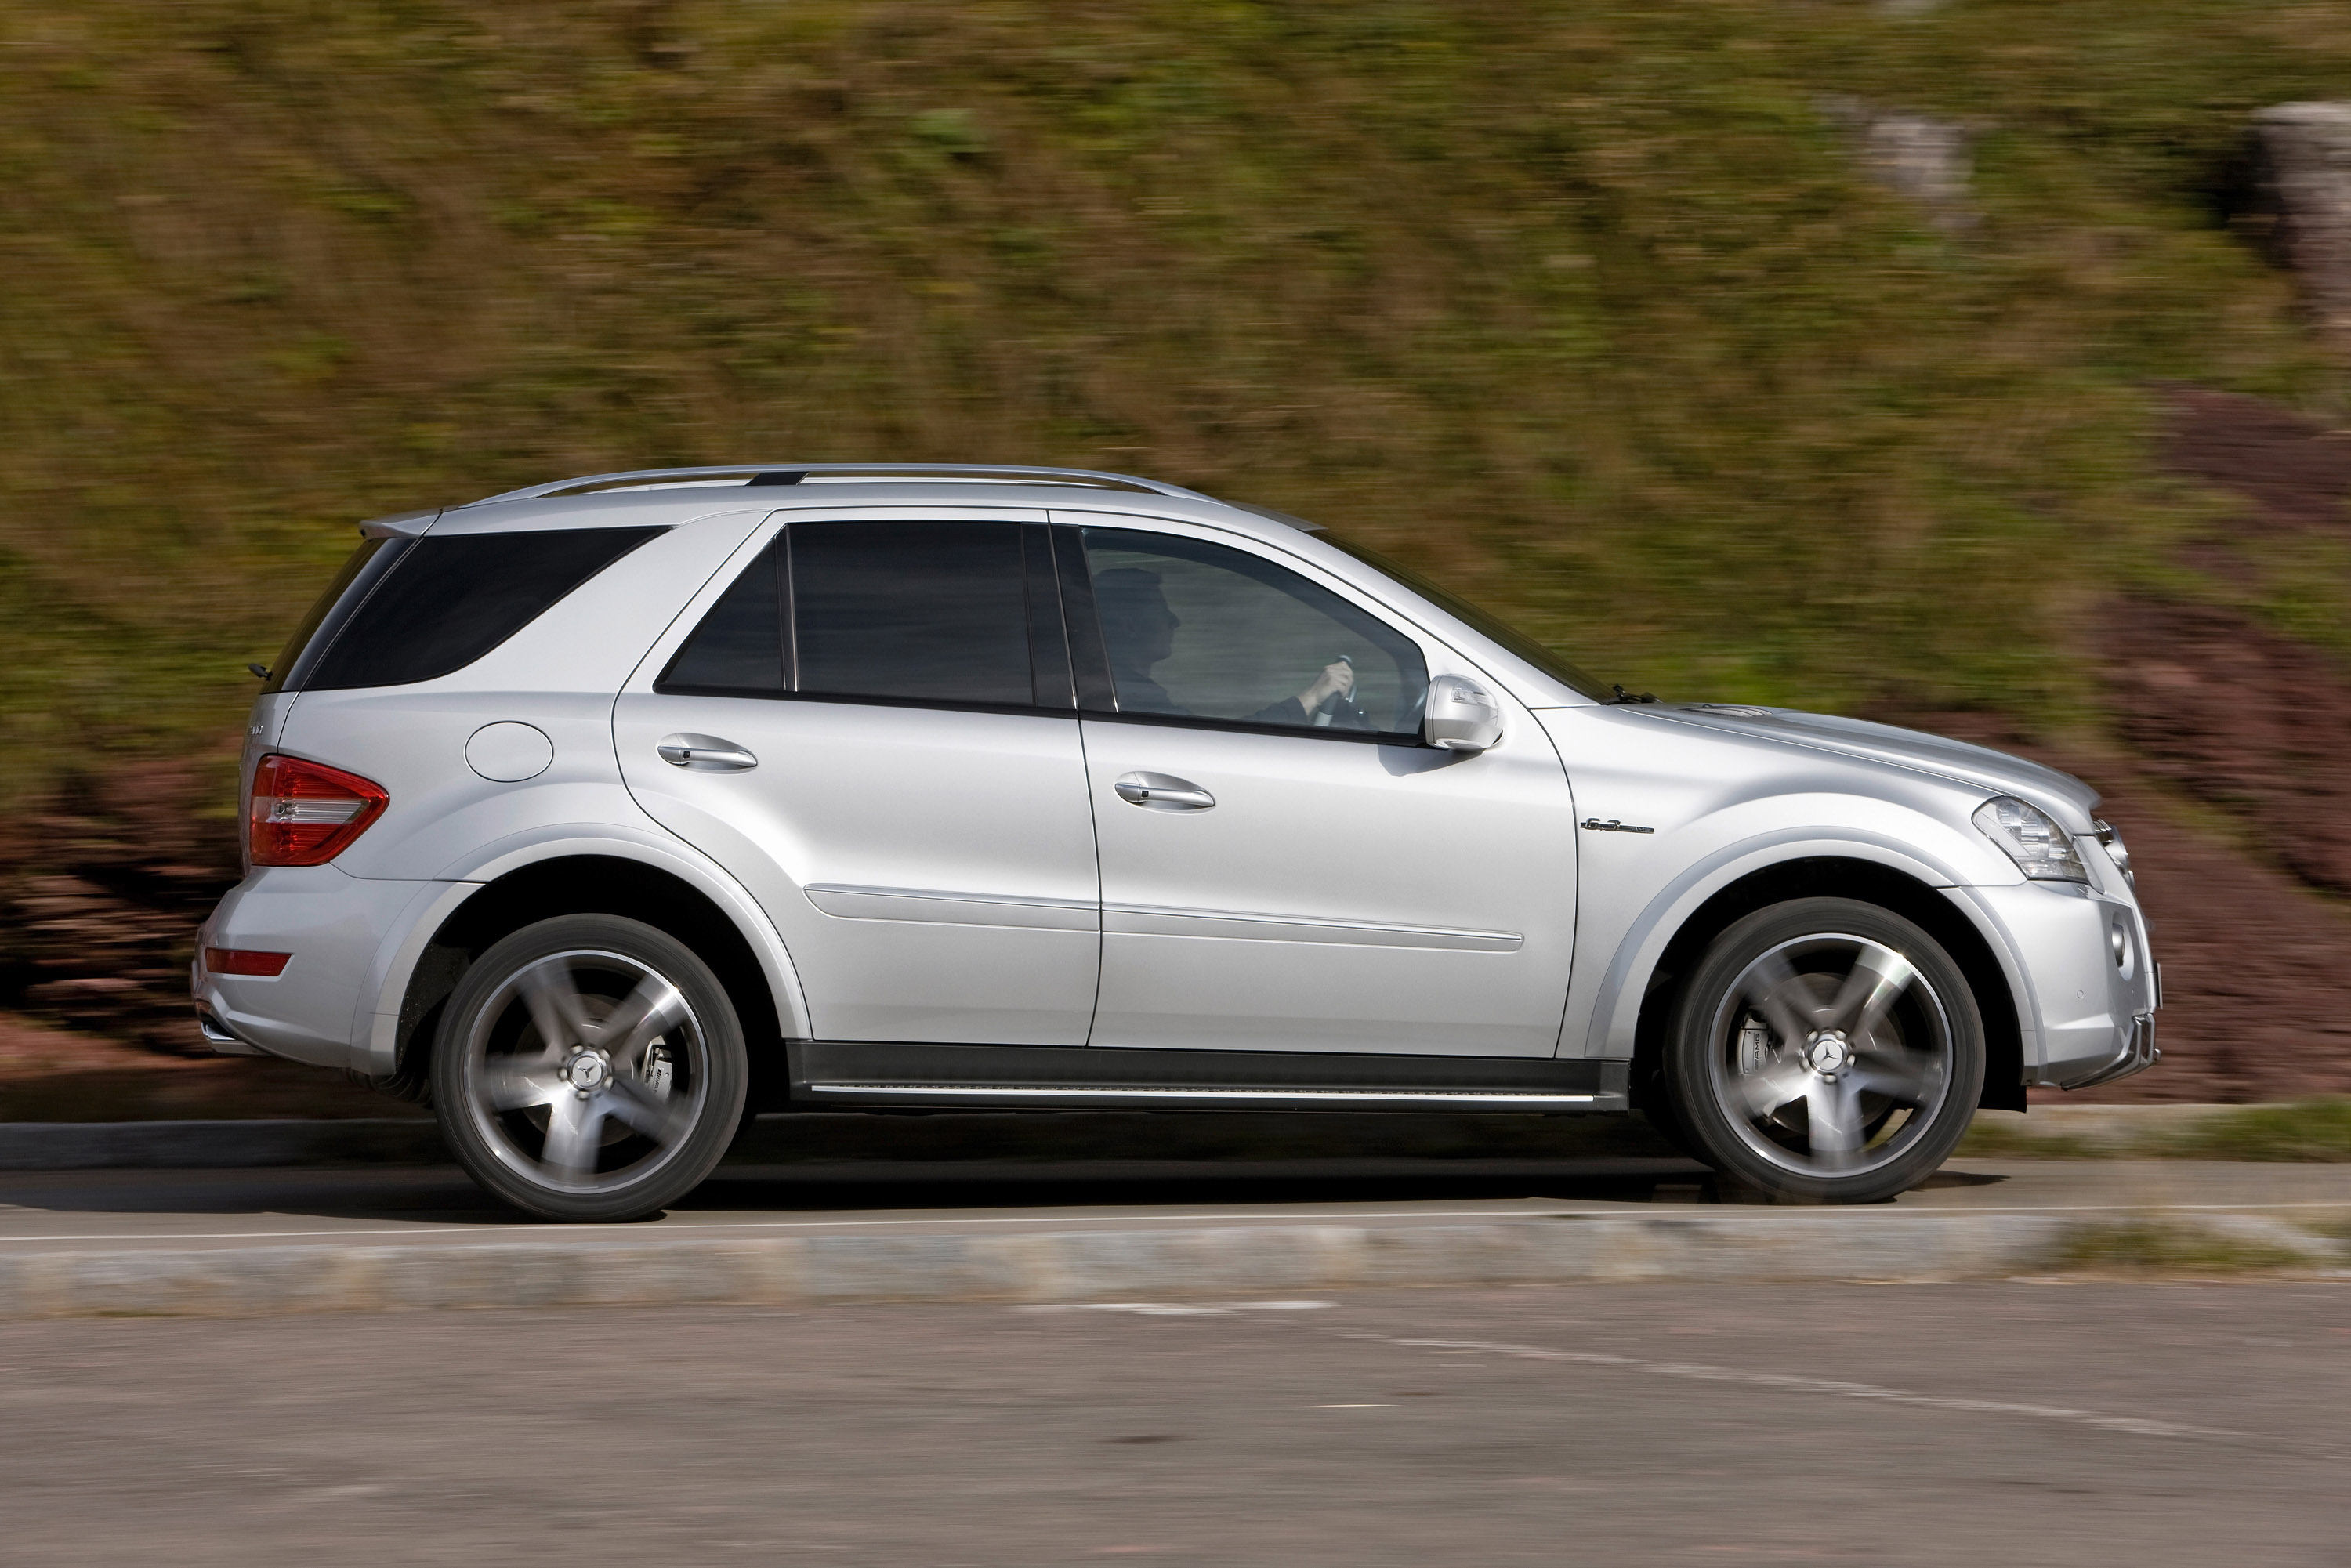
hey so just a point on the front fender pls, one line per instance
(397, 958)
(1717, 807)
(1623, 960)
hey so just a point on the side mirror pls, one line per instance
(1461, 715)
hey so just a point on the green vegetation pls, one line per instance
(2314, 1131)
(2153, 1247)
(2308, 1130)
(1588, 307)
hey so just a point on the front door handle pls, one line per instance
(1163, 792)
(706, 754)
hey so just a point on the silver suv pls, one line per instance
(607, 811)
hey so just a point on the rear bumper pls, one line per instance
(216, 1034)
(335, 926)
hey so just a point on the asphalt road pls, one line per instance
(1997, 1424)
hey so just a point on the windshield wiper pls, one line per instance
(1625, 696)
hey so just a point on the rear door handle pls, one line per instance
(706, 754)
(1163, 792)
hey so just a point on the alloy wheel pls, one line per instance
(1832, 1055)
(585, 1072)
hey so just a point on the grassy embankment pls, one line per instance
(1590, 308)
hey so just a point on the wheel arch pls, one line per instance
(718, 920)
(1990, 976)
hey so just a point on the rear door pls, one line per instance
(870, 724)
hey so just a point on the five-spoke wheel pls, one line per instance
(1825, 1049)
(588, 1067)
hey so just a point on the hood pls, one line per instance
(1996, 772)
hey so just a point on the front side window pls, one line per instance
(1191, 630)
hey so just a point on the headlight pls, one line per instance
(2040, 848)
(2113, 840)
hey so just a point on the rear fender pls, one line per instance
(378, 1028)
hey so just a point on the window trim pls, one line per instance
(1100, 703)
(938, 705)
(1249, 727)
(1052, 675)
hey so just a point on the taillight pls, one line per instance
(305, 813)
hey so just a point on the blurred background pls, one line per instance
(1984, 367)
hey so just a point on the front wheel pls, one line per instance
(1825, 1050)
(588, 1067)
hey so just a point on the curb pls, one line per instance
(1079, 1266)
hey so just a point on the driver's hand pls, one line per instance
(1337, 679)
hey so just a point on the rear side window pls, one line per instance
(739, 648)
(911, 611)
(886, 611)
(444, 602)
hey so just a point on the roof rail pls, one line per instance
(795, 472)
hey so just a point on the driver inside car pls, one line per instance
(1140, 628)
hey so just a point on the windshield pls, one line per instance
(1460, 609)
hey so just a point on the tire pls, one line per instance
(1825, 1050)
(589, 1068)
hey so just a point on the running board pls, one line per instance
(851, 1073)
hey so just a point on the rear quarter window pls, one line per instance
(442, 603)
(359, 575)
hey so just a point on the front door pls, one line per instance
(1284, 867)
(870, 729)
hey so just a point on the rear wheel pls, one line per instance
(588, 1067)
(1825, 1050)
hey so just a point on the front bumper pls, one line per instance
(2088, 1015)
(2140, 1055)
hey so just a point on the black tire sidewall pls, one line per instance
(1688, 1057)
(722, 1033)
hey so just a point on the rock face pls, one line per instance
(1926, 160)
(2307, 152)
(1913, 155)
(99, 900)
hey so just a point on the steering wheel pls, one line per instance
(1340, 710)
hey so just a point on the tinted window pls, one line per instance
(739, 646)
(1200, 630)
(450, 601)
(360, 574)
(917, 611)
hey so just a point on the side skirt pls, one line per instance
(871, 1073)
